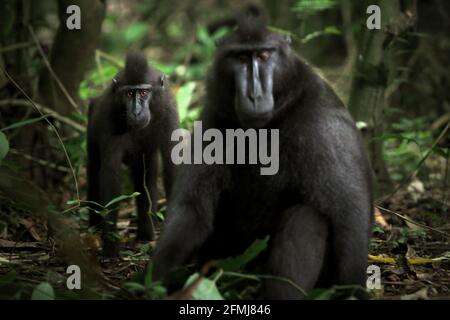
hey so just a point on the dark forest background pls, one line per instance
(395, 81)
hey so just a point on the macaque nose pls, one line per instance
(254, 95)
(255, 89)
(137, 110)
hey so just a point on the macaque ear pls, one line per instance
(115, 84)
(161, 80)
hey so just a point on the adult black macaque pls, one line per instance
(130, 123)
(317, 208)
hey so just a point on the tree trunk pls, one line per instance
(71, 55)
(373, 75)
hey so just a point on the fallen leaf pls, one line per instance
(422, 294)
(379, 218)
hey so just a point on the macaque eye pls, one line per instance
(264, 55)
(143, 93)
(243, 58)
(129, 93)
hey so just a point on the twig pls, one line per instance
(110, 58)
(50, 69)
(51, 125)
(44, 111)
(15, 46)
(147, 194)
(40, 161)
(440, 121)
(412, 221)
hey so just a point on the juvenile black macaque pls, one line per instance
(317, 209)
(130, 123)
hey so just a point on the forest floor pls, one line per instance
(412, 251)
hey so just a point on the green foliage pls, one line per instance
(308, 7)
(406, 144)
(206, 289)
(135, 32)
(106, 208)
(76, 145)
(43, 291)
(407, 234)
(160, 214)
(377, 230)
(235, 263)
(442, 152)
(218, 286)
(207, 46)
(184, 98)
(203, 50)
(330, 30)
(120, 198)
(96, 81)
(121, 38)
(146, 288)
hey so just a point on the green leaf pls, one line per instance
(136, 32)
(184, 98)
(281, 31)
(44, 291)
(4, 146)
(160, 215)
(235, 263)
(313, 6)
(206, 289)
(377, 229)
(204, 37)
(145, 248)
(330, 30)
(361, 125)
(221, 32)
(148, 279)
(321, 294)
(120, 198)
(164, 67)
(443, 152)
(159, 291)
(134, 287)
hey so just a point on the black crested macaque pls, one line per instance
(317, 208)
(130, 123)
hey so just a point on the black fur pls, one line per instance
(113, 141)
(317, 209)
